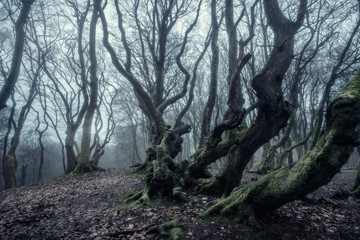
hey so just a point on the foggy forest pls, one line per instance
(180, 119)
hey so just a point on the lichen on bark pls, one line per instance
(161, 178)
(340, 136)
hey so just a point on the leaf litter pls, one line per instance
(80, 207)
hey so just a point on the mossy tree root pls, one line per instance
(160, 182)
(171, 230)
(87, 166)
(211, 186)
(316, 168)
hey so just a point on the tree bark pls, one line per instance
(42, 147)
(163, 144)
(13, 75)
(273, 110)
(215, 147)
(210, 104)
(71, 156)
(268, 160)
(8, 168)
(10, 163)
(316, 168)
(162, 179)
(356, 187)
(84, 160)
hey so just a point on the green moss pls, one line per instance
(160, 182)
(211, 186)
(114, 213)
(179, 195)
(353, 88)
(313, 170)
(83, 166)
(229, 208)
(181, 181)
(170, 230)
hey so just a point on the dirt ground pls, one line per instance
(79, 207)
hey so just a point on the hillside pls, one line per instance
(79, 207)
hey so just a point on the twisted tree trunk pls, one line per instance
(316, 168)
(273, 110)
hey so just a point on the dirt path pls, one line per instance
(79, 208)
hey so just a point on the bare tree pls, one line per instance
(161, 92)
(313, 170)
(40, 133)
(84, 163)
(9, 161)
(13, 74)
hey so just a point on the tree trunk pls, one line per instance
(13, 75)
(69, 147)
(316, 168)
(84, 160)
(210, 104)
(356, 187)
(162, 179)
(215, 147)
(41, 160)
(10, 164)
(273, 110)
(268, 160)
(23, 174)
(213, 150)
(9, 168)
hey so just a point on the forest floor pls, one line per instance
(79, 207)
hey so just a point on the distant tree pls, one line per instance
(213, 84)
(40, 133)
(73, 102)
(337, 69)
(9, 161)
(84, 163)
